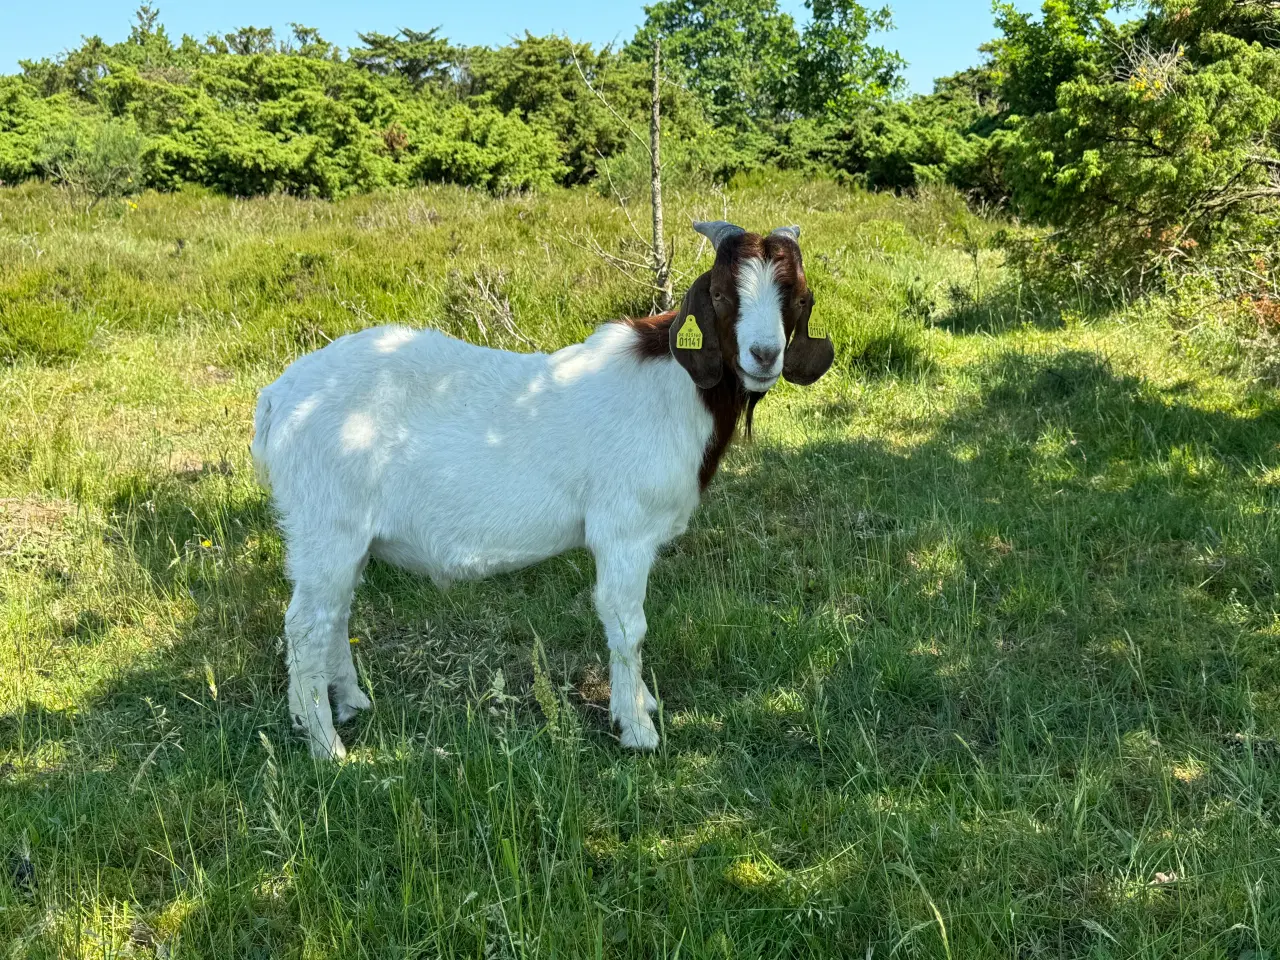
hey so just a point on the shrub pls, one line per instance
(25, 119)
(949, 136)
(1166, 150)
(485, 148)
(96, 159)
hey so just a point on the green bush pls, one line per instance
(540, 81)
(98, 159)
(1164, 151)
(247, 114)
(485, 148)
(948, 136)
(25, 119)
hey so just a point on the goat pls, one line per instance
(460, 461)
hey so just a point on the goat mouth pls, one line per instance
(757, 384)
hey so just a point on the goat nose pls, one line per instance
(765, 356)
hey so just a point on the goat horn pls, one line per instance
(717, 231)
(793, 232)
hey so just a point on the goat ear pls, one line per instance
(806, 358)
(718, 231)
(693, 338)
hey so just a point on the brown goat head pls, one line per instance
(750, 313)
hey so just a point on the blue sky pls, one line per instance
(938, 37)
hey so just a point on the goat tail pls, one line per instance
(261, 430)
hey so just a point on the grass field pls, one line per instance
(972, 653)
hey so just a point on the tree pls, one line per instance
(25, 120)
(311, 44)
(947, 136)
(1032, 58)
(781, 95)
(1165, 146)
(421, 58)
(739, 56)
(76, 73)
(541, 80)
(839, 72)
(248, 41)
(661, 263)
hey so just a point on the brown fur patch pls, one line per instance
(728, 401)
(725, 401)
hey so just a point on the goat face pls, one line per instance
(752, 311)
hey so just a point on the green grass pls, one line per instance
(972, 653)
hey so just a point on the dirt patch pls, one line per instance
(32, 524)
(191, 466)
(592, 685)
(218, 375)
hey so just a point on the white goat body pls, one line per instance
(461, 461)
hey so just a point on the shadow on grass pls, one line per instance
(897, 351)
(1068, 582)
(1040, 522)
(1017, 303)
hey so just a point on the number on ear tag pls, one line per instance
(689, 337)
(816, 330)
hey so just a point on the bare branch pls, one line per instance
(640, 273)
(1245, 196)
(1272, 163)
(488, 301)
(608, 106)
(622, 201)
(661, 265)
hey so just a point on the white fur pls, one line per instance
(760, 329)
(461, 461)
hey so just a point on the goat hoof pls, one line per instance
(639, 734)
(351, 704)
(345, 712)
(328, 751)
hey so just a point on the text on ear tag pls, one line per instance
(689, 337)
(816, 330)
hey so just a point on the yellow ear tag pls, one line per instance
(689, 337)
(816, 330)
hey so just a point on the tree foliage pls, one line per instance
(1166, 147)
(97, 161)
(948, 136)
(25, 118)
(839, 72)
(589, 100)
(249, 112)
(1140, 141)
(752, 66)
(419, 57)
(1032, 58)
(737, 55)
